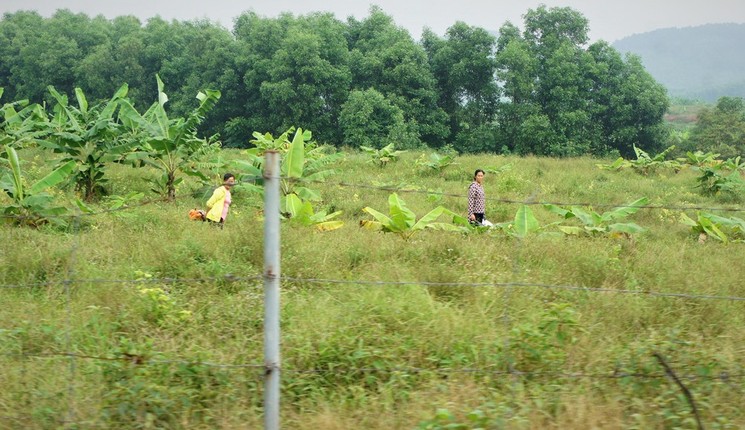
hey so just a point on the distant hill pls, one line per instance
(704, 62)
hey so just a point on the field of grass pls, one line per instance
(376, 333)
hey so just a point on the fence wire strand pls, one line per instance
(330, 281)
(723, 376)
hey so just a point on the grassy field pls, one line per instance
(163, 298)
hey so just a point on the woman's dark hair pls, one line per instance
(477, 172)
(227, 176)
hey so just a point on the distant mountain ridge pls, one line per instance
(704, 62)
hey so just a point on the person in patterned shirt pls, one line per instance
(476, 199)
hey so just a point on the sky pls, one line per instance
(610, 20)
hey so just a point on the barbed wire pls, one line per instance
(346, 370)
(165, 280)
(528, 201)
(232, 278)
(516, 284)
(134, 359)
(85, 214)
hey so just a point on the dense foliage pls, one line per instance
(356, 83)
(721, 128)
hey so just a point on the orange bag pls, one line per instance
(197, 215)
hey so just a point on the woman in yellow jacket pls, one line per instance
(219, 203)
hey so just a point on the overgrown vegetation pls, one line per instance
(421, 353)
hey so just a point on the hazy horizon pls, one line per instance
(609, 21)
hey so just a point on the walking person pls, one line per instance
(219, 204)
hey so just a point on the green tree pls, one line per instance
(562, 98)
(386, 58)
(464, 66)
(369, 119)
(309, 77)
(721, 128)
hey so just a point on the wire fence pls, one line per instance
(723, 376)
(364, 283)
(70, 281)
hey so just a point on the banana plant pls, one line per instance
(595, 223)
(402, 220)
(644, 163)
(382, 156)
(524, 224)
(31, 206)
(723, 229)
(722, 177)
(297, 169)
(170, 145)
(700, 159)
(436, 162)
(18, 127)
(301, 212)
(90, 137)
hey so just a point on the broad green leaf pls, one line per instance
(293, 205)
(292, 166)
(54, 178)
(685, 219)
(381, 218)
(428, 219)
(246, 167)
(37, 202)
(585, 217)
(82, 101)
(251, 188)
(525, 222)
(712, 229)
(108, 110)
(63, 109)
(15, 169)
(401, 216)
(83, 207)
(443, 226)
(625, 211)
(162, 97)
(307, 194)
(566, 214)
(629, 227)
(571, 230)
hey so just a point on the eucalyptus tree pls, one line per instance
(563, 97)
(386, 58)
(368, 119)
(464, 65)
(309, 76)
(21, 37)
(116, 59)
(257, 39)
(171, 145)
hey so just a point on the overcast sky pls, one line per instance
(610, 20)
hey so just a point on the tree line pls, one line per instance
(542, 90)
